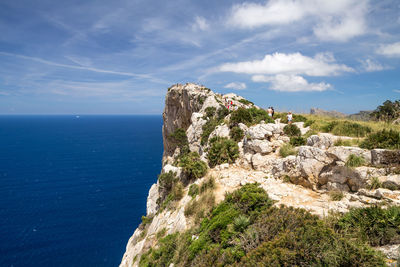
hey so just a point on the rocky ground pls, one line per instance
(304, 180)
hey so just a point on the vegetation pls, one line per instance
(295, 117)
(145, 221)
(287, 150)
(374, 183)
(336, 195)
(209, 184)
(347, 128)
(193, 190)
(215, 118)
(236, 133)
(166, 181)
(210, 111)
(292, 130)
(192, 165)
(202, 207)
(347, 142)
(297, 141)
(222, 150)
(389, 139)
(246, 102)
(179, 139)
(246, 230)
(249, 116)
(387, 112)
(355, 161)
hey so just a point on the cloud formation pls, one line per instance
(389, 50)
(236, 86)
(333, 20)
(369, 65)
(293, 64)
(291, 83)
(200, 24)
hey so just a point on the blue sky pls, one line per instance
(119, 57)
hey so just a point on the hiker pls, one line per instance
(273, 111)
(269, 110)
(289, 117)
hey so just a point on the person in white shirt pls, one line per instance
(289, 117)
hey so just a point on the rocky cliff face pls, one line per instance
(303, 180)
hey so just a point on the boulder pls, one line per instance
(260, 162)
(220, 131)
(385, 157)
(391, 181)
(343, 152)
(194, 131)
(303, 129)
(258, 146)
(260, 131)
(322, 141)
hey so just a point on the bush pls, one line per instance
(346, 142)
(297, 141)
(240, 223)
(295, 118)
(206, 185)
(222, 150)
(249, 116)
(374, 183)
(292, 130)
(347, 128)
(222, 112)
(166, 181)
(179, 139)
(374, 225)
(236, 133)
(210, 111)
(200, 208)
(193, 190)
(355, 161)
(382, 139)
(287, 150)
(246, 102)
(208, 128)
(336, 195)
(388, 111)
(193, 166)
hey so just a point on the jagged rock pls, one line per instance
(343, 152)
(259, 146)
(322, 141)
(194, 131)
(220, 131)
(303, 129)
(260, 162)
(170, 168)
(332, 186)
(385, 157)
(391, 181)
(260, 131)
(391, 251)
(151, 205)
(362, 176)
(211, 101)
(243, 127)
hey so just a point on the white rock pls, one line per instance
(177, 170)
(343, 152)
(221, 131)
(259, 146)
(385, 156)
(322, 141)
(194, 131)
(260, 131)
(151, 205)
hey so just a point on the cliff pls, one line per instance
(208, 145)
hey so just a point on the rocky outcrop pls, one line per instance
(385, 157)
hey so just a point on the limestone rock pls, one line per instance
(260, 162)
(343, 152)
(322, 141)
(177, 170)
(391, 181)
(220, 131)
(194, 131)
(391, 251)
(151, 205)
(260, 131)
(385, 157)
(259, 146)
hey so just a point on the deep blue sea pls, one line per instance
(72, 190)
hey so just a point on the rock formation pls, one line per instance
(302, 180)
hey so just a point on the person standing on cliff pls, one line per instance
(273, 112)
(269, 110)
(289, 117)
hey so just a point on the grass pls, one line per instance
(354, 161)
(298, 141)
(389, 139)
(287, 150)
(374, 183)
(347, 142)
(336, 195)
(193, 190)
(246, 230)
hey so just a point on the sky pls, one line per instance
(120, 56)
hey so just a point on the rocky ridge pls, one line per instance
(304, 180)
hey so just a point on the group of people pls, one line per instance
(229, 104)
(271, 113)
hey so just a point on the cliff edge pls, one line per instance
(218, 143)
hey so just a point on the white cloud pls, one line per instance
(397, 91)
(389, 50)
(236, 86)
(291, 83)
(4, 93)
(200, 23)
(369, 65)
(296, 63)
(333, 20)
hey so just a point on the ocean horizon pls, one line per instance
(74, 187)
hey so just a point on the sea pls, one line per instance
(73, 188)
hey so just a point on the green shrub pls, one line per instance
(295, 117)
(193, 166)
(208, 184)
(388, 111)
(193, 190)
(249, 116)
(287, 150)
(236, 133)
(163, 255)
(382, 139)
(374, 183)
(297, 141)
(177, 191)
(309, 122)
(292, 130)
(346, 142)
(355, 161)
(374, 225)
(222, 112)
(210, 111)
(166, 181)
(336, 195)
(208, 128)
(222, 150)
(347, 128)
(200, 208)
(240, 223)
(246, 102)
(179, 139)
(146, 220)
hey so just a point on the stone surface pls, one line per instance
(151, 204)
(194, 131)
(220, 131)
(385, 157)
(259, 146)
(342, 153)
(391, 181)
(322, 141)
